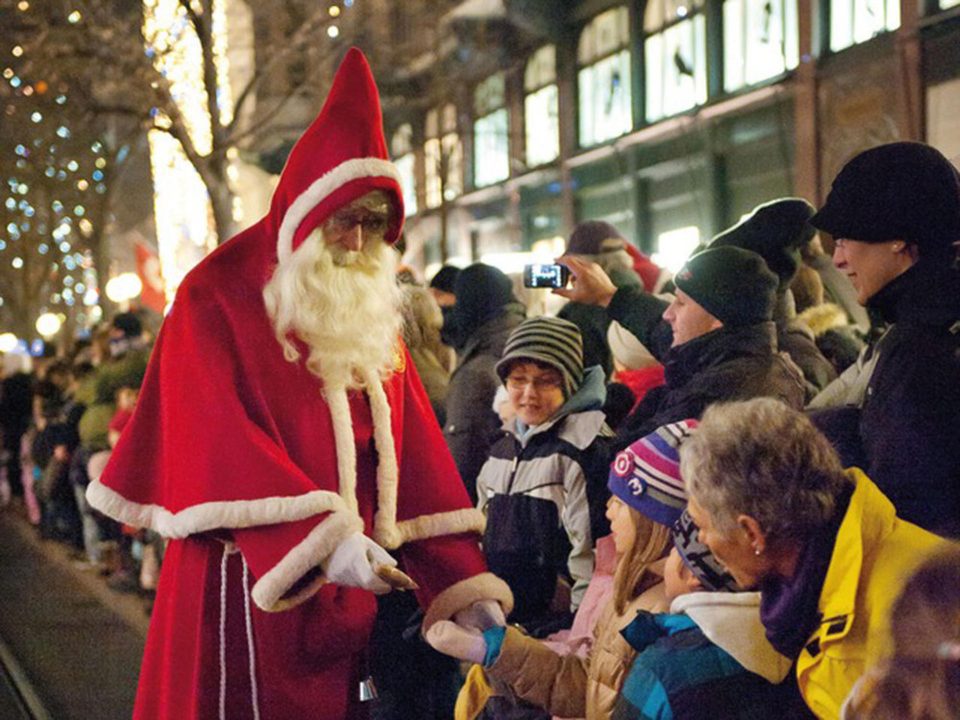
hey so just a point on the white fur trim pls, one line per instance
(322, 187)
(269, 590)
(461, 595)
(385, 530)
(344, 444)
(212, 515)
(445, 523)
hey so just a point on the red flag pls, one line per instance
(153, 295)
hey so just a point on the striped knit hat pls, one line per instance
(697, 556)
(549, 340)
(646, 475)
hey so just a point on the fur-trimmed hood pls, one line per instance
(823, 317)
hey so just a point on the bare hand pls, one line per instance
(590, 284)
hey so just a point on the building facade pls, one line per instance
(512, 120)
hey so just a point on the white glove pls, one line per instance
(482, 615)
(353, 562)
(451, 639)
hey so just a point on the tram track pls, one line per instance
(18, 699)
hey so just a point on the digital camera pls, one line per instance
(545, 275)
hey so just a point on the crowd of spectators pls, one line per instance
(707, 491)
(62, 412)
(817, 400)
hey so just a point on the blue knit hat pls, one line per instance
(646, 475)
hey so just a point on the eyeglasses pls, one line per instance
(369, 222)
(540, 383)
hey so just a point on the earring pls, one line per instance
(756, 551)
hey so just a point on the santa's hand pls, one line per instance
(481, 615)
(354, 562)
(451, 639)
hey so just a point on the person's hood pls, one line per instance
(731, 621)
(590, 395)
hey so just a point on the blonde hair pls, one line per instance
(633, 575)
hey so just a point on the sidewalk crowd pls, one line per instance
(729, 493)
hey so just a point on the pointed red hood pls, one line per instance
(341, 156)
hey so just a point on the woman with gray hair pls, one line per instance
(822, 544)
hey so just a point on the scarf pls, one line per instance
(789, 606)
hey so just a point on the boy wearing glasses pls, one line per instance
(536, 487)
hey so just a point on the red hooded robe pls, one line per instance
(256, 472)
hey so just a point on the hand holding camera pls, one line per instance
(590, 285)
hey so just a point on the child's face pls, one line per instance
(535, 392)
(621, 525)
(677, 578)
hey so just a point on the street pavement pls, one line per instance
(76, 643)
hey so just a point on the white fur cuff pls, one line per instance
(269, 591)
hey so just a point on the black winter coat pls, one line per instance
(471, 424)
(908, 425)
(593, 322)
(724, 365)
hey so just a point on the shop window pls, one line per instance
(675, 55)
(540, 108)
(491, 143)
(759, 41)
(401, 148)
(603, 81)
(443, 157)
(945, 4)
(855, 21)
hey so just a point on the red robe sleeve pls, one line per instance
(440, 530)
(201, 453)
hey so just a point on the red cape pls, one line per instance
(232, 447)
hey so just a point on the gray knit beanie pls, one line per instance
(548, 340)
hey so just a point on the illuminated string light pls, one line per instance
(185, 230)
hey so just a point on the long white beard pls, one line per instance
(346, 307)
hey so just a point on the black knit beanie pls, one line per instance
(732, 284)
(594, 237)
(483, 292)
(775, 231)
(445, 278)
(899, 191)
(550, 340)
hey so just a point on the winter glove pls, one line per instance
(354, 563)
(480, 616)
(458, 642)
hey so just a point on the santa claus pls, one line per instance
(284, 443)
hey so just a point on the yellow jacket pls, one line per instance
(874, 554)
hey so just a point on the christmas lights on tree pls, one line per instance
(52, 175)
